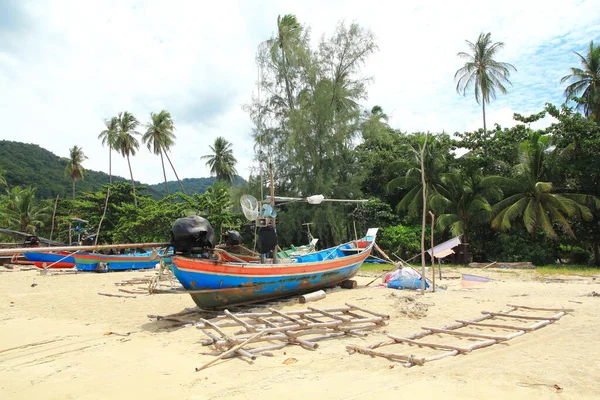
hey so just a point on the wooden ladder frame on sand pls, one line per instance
(453, 329)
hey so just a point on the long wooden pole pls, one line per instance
(53, 215)
(103, 214)
(82, 248)
(424, 220)
(432, 251)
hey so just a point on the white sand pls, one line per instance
(53, 345)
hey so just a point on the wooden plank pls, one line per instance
(466, 334)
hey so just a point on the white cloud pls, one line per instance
(72, 64)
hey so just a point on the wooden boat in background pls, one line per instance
(53, 260)
(217, 284)
(116, 262)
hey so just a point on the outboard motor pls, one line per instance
(232, 238)
(192, 234)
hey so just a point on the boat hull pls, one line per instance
(59, 260)
(119, 262)
(215, 284)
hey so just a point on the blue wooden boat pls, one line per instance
(217, 284)
(61, 259)
(117, 262)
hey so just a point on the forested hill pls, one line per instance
(191, 185)
(31, 165)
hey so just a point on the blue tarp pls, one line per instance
(407, 284)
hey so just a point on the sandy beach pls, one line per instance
(59, 339)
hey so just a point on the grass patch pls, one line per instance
(584, 270)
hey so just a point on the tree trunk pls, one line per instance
(484, 128)
(132, 182)
(465, 247)
(110, 164)
(162, 162)
(424, 220)
(175, 172)
(596, 254)
(73, 180)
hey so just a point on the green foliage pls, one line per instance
(405, 241)
(482, 72)
(29, 164)
(20, 211)
(586, 82)
(518, 247)
(222, 162)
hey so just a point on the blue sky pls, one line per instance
(65, 66)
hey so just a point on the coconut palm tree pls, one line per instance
(20, 211)
(159, 137)
(586, 81)
(482, 72)
(411, 180)
(126, 142)
(109, 137)
(74, 169)
(222, 162)
(467, 203)
(532, 196)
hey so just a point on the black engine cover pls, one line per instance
(192, 235)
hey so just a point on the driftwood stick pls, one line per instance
(245, 353)
(432, 345)
(454, 326)
(437, 357)
(470, 334)
(553, 318)
(133, 291)
(331, 315)
(230, 351)
(500, 326)
(288, 317)
(391, 356)
(489, 265)
(541, 308)
(384, 316)
(116, 295)
(249, 328)
(328, 336)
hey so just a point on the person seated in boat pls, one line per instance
(233, 243)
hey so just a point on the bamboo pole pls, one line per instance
(552, 318)
(391, 356)
(424, 219)
(473, 334)
(116, 295)
(502, 326)
(230, 351)
(83, 248)
(541, 308)
(384, 316)
(432, 252)
(102, 218)
(53, 215)
(432, 345)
